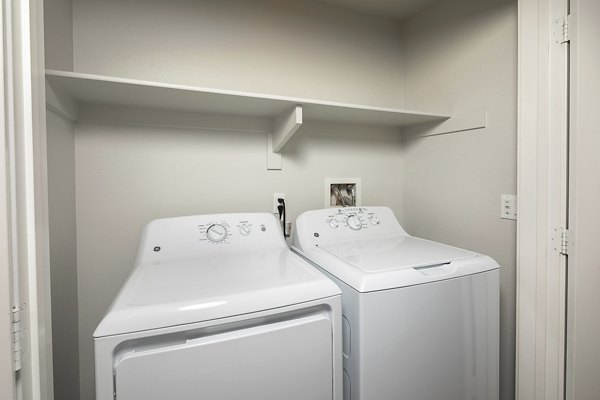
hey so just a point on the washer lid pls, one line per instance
(175, 292)
(395, 262)
(395, 253)
(375, 253)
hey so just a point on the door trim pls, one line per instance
(542, 190)
(7, 375)
(25, 176)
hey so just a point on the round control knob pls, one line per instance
(245, 229)
(374, 220)
(333, 224)
(216, 233)
(353, 222)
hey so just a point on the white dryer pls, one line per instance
(420, 319)
(219, 308)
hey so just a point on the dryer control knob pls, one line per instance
(245, 229)
(374, 220)
(333, 224)
(216, 233)
(354, 222)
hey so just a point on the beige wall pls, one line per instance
(462, 56)
(58, 34)
(127, 176)
(293, 48)
(63, 256)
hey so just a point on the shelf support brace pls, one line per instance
(460, 122)
(273, 159)
(284, 126)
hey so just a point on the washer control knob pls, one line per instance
(245, 229)
(374, 220)
(216, 233)
(353, 222)
(333, 224)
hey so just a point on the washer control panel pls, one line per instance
(353, 218)
(342, 224)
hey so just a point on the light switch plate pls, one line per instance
(508, 206)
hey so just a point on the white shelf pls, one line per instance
(284, 115)
(105, 90)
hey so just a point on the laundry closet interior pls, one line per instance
(166, 108)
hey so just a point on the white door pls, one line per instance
(583, 299)
(289, 360)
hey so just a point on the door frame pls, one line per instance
(24, 268)
(542, 185)
(7, 375)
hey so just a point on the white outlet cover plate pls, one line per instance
(334, 181)
(277, 196)
(508, 206)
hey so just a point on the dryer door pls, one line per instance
(284, 360)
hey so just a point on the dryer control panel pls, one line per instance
(191, 236)
(227, 231)
(346, 223)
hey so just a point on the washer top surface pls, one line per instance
(183, 276)
(394, 253)
(366, 248)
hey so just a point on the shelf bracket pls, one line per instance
(285, 125)
(273, 159)
(283, 128)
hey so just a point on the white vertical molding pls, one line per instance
(38, 193)
(527, 163)
(29, 213)
(30, 382)
(7, 376)
(558, 135)
(542, 196)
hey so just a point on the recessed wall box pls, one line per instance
(342, 192)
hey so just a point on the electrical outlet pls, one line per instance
(508, 206)
(277, 196)
(288, 229)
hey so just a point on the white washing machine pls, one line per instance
(420, 319)
(219, 308)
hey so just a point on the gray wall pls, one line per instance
(58, 33)
(462, 55)
(292, 48)
(63, 256)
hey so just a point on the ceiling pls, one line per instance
(396, 9)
